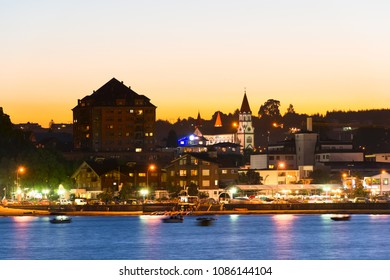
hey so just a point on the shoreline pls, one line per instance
(4, 211)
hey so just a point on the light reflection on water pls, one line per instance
(241, 237)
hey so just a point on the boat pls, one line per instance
(205, 221)
(173, 219)
(341, 218)
(61, 220)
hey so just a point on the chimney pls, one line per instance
(309, 124)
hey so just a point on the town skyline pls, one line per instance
(196, 56)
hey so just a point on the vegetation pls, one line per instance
(44, 168)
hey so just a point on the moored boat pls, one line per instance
(205, 221)
(173, 219)
(341, 217)
(61, 220)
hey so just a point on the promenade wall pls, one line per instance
(149, 208)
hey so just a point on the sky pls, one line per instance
(194, 56)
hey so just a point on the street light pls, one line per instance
(20, 170)
(233, 190)
(144, 192)
(381, 184)
(151, 167)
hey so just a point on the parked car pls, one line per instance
(80, 201)
(63, 201)
(360, 200)
(381, 199)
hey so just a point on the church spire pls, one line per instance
(198, 122)
(218, 121)
(245, 105)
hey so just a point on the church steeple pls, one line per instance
(218, 121)
(198, 122)
(245, 131)
(245, 105)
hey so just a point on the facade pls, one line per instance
(112, 119)
(93, 177)
(207, 173)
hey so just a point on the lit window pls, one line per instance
(206, 183)
(206, 172)
(183, 172)
(138, 150)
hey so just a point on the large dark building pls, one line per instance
(112, 119)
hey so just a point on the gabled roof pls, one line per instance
(245, 105)
(113, 90)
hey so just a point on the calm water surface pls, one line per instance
(237, 237)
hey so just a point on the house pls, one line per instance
(210, 174)
(94, 176)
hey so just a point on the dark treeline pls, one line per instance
(44, 168)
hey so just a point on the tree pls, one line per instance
(270, 109)
(172, 139)
(106, 196)
(192, 189)
(290, 109)
(250, 177)
(126, 192)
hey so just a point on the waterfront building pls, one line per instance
(114, 118)
(210, 174)
(95, 176)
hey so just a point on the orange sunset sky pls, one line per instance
(190, 56)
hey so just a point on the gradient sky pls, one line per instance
(190, 56)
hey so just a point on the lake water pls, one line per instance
(234, 237)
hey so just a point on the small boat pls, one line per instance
(61, 220)
(173, 219)
(205, 221)
(341, 217)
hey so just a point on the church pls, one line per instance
(222, 138)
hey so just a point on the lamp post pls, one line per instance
(21, 170)
(233, 190)
(151, 167)
(144, 192)
(381, 180)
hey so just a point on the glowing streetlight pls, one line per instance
(151, 168)
(233, 190)
(381, 184)
(144, 192)
(277, 125)
(20, 170)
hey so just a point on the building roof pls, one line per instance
(111, 92)
(245, 105)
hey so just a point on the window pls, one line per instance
(183, 172)
(194, 172)
(224, 171)
(206, 172)
(206, 183)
